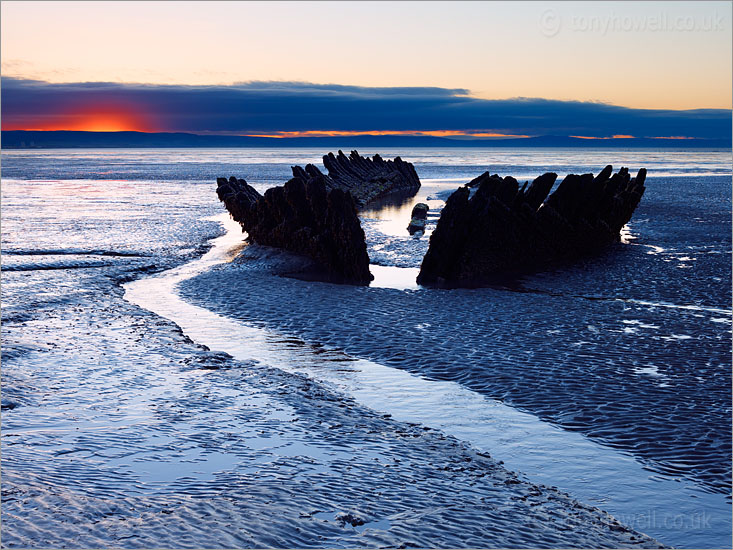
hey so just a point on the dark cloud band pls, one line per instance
(261, 107)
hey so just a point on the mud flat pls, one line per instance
(121, 430)
(677, 513)
(126, 433)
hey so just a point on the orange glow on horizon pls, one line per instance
(93, 118)
(347, 133)
(615, 136)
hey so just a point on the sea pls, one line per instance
(164, 385)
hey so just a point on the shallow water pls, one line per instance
(679, 514)
(621, 363)
(119, 431)
(455, 166)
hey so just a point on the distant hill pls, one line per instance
(25, 139)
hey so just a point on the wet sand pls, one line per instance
(678, 513)
(160, 443)
(120, 431)
(612, 370)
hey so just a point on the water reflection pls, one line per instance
(544, 453)
(389, 276)
(393, 213)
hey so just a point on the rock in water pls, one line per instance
(502, 230)
(304, 217)
(419, 218)
(366, 179)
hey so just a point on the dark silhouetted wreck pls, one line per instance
(502, 230)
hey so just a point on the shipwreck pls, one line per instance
(502, 230)
(488, 229)
(315, 214)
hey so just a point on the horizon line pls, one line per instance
(452, 135)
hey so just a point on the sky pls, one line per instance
(293, 68)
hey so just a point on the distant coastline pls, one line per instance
(28, 139)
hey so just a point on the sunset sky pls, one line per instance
(439, 68)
